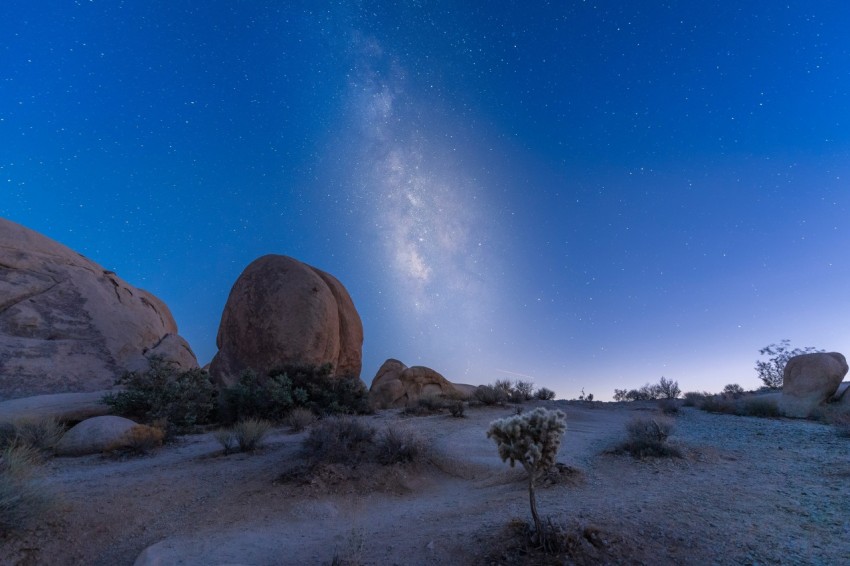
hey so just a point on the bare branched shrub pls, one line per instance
(300, 418)
(544, 394)
(490, 395)
(22, 500)
(396, 445)
(733, 390)
(339, 440)
(532, 439)
(647, 437)
(668, 389)
(523, 390)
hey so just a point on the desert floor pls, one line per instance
(747, 491)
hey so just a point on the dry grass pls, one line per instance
(139, 440)
(300, 418)
(647, 438)
(22, 500)
(42, 434)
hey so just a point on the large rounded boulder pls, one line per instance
(396, 385)
(283, 312)
(809, 380)
(67, 325)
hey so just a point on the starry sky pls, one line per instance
(589, 194)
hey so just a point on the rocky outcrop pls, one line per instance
(396, 385)
(63, 407)
(68, 325)
(809, 380)
(94, 435)
(282, 312)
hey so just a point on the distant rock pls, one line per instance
(94, 435)
(64, 407)
(284, 312)
(68, 325)
(396, 385)
(809, 380)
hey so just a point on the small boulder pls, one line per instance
(94, 435)
(809, 380)
(396, 385)
(284, 312)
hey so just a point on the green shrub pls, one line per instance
(22, 500)
(532, 439)
(252, 397)
(184, 399)
(325, 393)
(544, 394)
(647, 437)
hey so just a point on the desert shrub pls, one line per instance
(532, 439)
(226, 438)
(340, 439)
(694, 398)
(325, 393)
(396, 445)
(667, 388)
(490, 395)
(733, 390)
(185, 399)
(668, 406)
(139, 440)
(425, 405)
(842, 424)
(647, 437)
(523, 390)
(22, 500)
(756, 407)
(42, 434)
(249, 433)
(771, 371)
(457, 408)
(544, 394)
(300, 418)
(506, 386)
(252, 397)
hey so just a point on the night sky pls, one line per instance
(591, 194)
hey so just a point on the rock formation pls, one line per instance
(68, 325)
(809, 380)
(94, 435)
(280, 312)
(396, 385)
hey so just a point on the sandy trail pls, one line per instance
(749, 491)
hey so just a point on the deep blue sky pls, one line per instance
(592, 194)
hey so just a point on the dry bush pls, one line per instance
(300, 418)
(744, 407)
(668, 407)
(425, 405)
(226, 438)
(42, 434)
(139, 440)
(338, 440)
(22, 500)
(490, 395)
(249, 434)
(457, 408)
(647, 437)
(399, 446)
(695, 398)
(544, 394)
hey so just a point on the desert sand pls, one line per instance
(747, 491)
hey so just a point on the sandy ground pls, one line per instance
(748, 491)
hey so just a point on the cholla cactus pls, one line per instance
(532, 439)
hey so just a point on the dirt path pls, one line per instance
(748, 491)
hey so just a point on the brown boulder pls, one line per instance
(396, 385)
(280, 312)
(809, 380)
(68, 325)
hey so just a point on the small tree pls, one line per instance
(668, 389)
(770, 372)
(532, 439)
